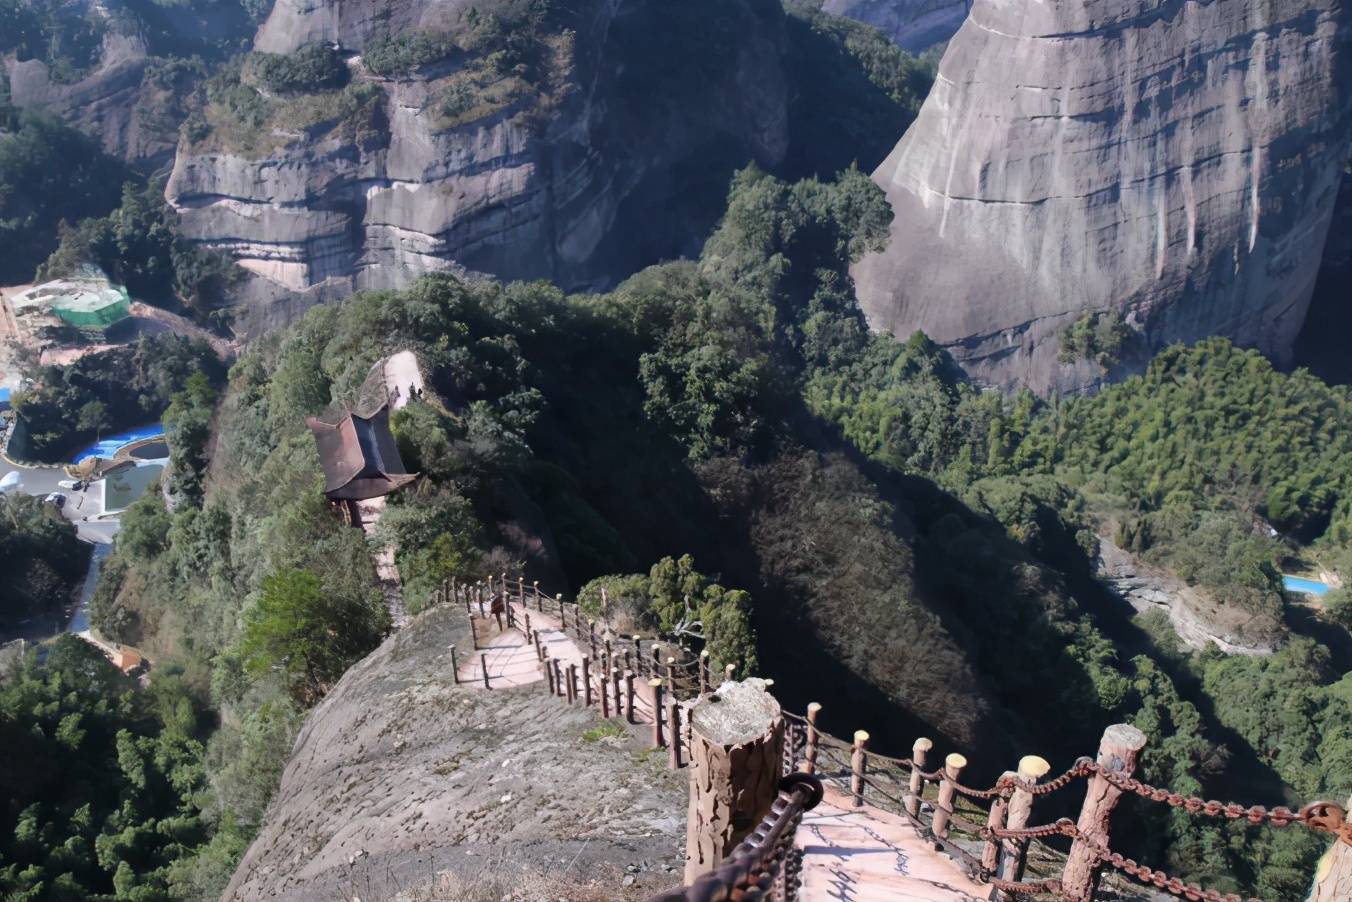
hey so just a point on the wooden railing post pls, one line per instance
(919, 752)
(657, 658)
(674, 734)
(1013, 852)
(549, 672)
(659, 713)
(535, 590)
(455, 668)
(615, 688)
(995, 820)
(1118, 750)
(858, 767)
(591, 630)
(586, 681)
(483, 662)
(729, 673)
(605, 694)
(521, 590)
(703, 668)
(638, 656)
(629, 696)
(558, 676)
(943, 808)
(572, 683)
(671, 678)
(1333, 874)
(809, 765)
(736, 743)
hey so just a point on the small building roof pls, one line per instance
(359, 456)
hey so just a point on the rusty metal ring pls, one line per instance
(789, 782)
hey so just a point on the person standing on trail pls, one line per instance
(497, 608)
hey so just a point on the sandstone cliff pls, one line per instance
(1175, 162)
(914, 25)
(400, 778)
(616, 154)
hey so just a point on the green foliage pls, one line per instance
(317, 67)
(309, 635)
(138, 245)
(403, 54)
(187, 429)
(133, 383)
(64, 36)
(41, 560)
(49, 172)
(1097, 335)
(100, 779)
(437, 534)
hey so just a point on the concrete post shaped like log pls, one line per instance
(736, 743)
(659, 712)
(809, 765)
(919, 752)
(1118, 751)
(703, 667)
(1013, 852)
(859, 767)
(943, 809)
(1333, 875)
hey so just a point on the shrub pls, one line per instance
(402, 54)
(314, 68)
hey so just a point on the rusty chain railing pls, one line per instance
(812, 757)
(765, 860)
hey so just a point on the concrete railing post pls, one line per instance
(615, 689)
(535, 590)
(558, 676)
(659, 713)
(629, 697)
(858, 767)
(736, 743)
(919, 752)
(605, 694)
(809, 765)
(549, 672)
(1118, 750)
(455, 668)
(674, 735)
(703, 668)
(586, 681)
(995, 820)
(1013, 852)
(483, 662)
(729, 673)
(671, 678)
(943, 808)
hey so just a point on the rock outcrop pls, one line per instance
(1198, 620)
(619, 157)
(914, 25)
(1175, 162)
(400, 777)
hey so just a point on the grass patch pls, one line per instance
(609, 730)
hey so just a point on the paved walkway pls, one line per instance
(870, 855)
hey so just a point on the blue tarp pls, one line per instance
(4, 399)
(108, 445)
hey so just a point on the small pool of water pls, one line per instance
(1305, 586)
(152, 451)
(108, 445)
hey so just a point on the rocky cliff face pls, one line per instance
(618, 158)
(914, 25)
(1174, 161)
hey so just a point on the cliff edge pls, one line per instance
(401, 779)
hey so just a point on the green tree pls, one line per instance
(306, 634)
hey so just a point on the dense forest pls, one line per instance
(41, 558)
(717, 440)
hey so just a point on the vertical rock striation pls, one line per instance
(1176, 161)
